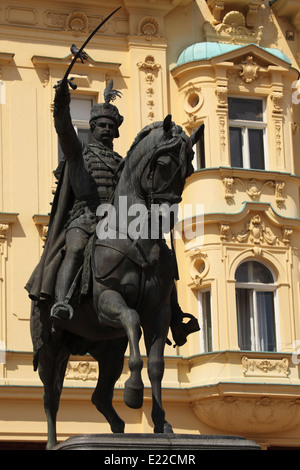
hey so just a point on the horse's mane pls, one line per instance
(176, 130)
(176, 137)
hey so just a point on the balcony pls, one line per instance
(230, 188)
(246, 393)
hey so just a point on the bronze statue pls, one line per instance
(95, 295)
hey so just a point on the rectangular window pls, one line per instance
(80, 109)
(199, 158)
(247, 133)
(205, 322)
(255, 316)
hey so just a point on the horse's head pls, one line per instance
(169, 163)
(158, 163)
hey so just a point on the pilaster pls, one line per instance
(6, 222)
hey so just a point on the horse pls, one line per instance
(132, 276)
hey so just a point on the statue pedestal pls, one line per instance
(155, 445)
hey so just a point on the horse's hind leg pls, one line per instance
(52, 364)
(110, 357)
(155, 340)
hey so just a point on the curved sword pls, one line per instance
(65, 79)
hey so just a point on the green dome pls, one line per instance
(207, 50)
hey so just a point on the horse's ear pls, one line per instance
(197, 135)
(167, 123)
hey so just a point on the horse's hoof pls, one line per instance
(118, 428)
(51, 444)
(164, 428)
(168, 429)
(133, 396)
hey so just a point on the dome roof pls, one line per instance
(207, 50)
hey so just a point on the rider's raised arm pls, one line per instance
(68, 139)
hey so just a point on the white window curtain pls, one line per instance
(255, 307)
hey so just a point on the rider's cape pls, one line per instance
(41, 284)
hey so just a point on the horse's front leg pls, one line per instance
(113, 311)
(155, 340)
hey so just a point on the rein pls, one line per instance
(151, 196)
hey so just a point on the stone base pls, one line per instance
(156, 442)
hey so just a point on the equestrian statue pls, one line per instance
(94, 294)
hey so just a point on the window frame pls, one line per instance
(260, 287)
(245, 125)
(204, 337)
(83, 124)
(78, 124)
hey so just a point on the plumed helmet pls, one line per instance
(107, 109)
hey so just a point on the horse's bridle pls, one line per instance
(159, 194)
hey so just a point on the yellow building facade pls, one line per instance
(232, 65)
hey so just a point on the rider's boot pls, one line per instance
(59, 314)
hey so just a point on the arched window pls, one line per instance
(255, 290)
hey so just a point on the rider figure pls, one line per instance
(92, 172)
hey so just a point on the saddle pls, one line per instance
(122, 249)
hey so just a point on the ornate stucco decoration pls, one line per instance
(265, 367)
(78, 23)
(193, 101)
(250, 7)
(150, 67)
(41, 222)
(253, 190)
(279, 197)
(198, 266)
(277, 100)
(260, 414)
(224, 232)
(232, 30)
(221, 94)
(249, 70)
(3, 231)
(287, 232)
(6, 219)
(256, 232)
(149, 64)
(149, 28)
(228, 188)
(82, 370)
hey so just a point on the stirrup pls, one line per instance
(61, 311)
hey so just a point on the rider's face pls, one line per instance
(104, 131)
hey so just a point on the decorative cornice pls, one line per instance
(44, 61)
(8, 217)
(41, 221)
(6, 58)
